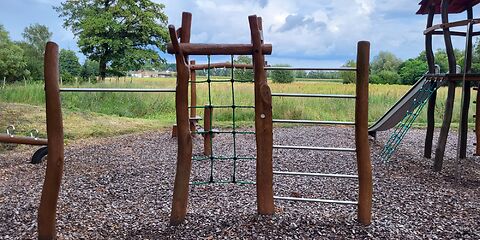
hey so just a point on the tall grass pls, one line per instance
(161, 106)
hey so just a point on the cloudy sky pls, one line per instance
(319, 33)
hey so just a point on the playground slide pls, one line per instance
(398, 111)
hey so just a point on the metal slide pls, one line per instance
(393, 116)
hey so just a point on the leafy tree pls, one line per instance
(35, 38)
(123, 33)
(348, 76)
(385, 77)
(243, 74)
(411, 70)
(300, 74)
(69, 65)
(282, 76)
(12, 63)
(385, 61)
(89, 69)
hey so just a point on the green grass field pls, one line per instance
(105, 114)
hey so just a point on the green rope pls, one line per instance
(212, 158)
(406, 123)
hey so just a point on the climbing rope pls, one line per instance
(401, 129)
(212, 157)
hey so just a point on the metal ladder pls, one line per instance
(308, 148)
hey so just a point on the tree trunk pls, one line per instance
(102, 68)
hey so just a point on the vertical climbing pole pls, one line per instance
(364, 165)
(433, 98)
(184, 138)
(193, 95)
(53, 176)
(263, 122)
(465, 104)
(447, 117)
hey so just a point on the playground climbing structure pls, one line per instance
(182, 48)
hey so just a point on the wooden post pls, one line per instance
(53, 176)
(263, 122)
(447, 117)
(193, 96)
(207, 141)
(364, 164)
(427, 153)
(465, 105)
(184, 138)
(477, 123)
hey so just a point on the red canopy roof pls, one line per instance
(456, 6)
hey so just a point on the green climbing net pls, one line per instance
(234, 132)
(401, 129)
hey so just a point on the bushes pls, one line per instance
(385, 77)
(282, 76)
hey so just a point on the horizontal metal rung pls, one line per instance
(315, 200)
(117, 90)
(315, 148)
(312, 122)
(312, 95)
(314, 174)
(312, 68)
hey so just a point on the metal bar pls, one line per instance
(315, 200)
(312, 95)
(312, 122)
(221, 106)
(312, 68)
(117, 90)
(315, 174)
(314, 148)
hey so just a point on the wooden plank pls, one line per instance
(53, 175)
(184, 138)
(218, 49)
(263, 123)
(364, 164)
(447, 24)
(5, 138)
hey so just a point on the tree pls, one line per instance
(35, 38)
(120, 33)
(12, 63)
(89, 69)
(411, 70)
(243, 74)
(385, 61)
(282, 76)
(385, 77)
(69, 65)
(348, 76)
(300, 74)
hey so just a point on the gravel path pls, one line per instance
(121, 187)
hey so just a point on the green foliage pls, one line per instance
(282, 76)
(243, 74)
(69, 65)
(411, 70)
(300, 74)
(347, 76)
(12, 63)
(120, 33)
(385, 61)
(35, 38)
(385, 77)
(89, 70)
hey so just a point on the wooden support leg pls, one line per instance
(53, 176)
(477, 124)
(430, 125)
(447, 119)
(464, 120)
(207, 140)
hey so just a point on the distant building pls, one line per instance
(151, 74)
